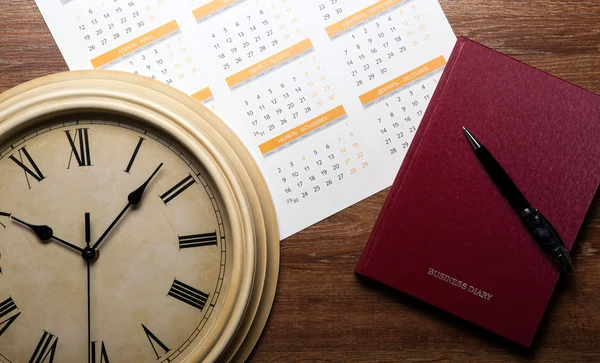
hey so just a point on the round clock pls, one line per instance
(134, 226)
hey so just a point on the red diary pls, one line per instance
(445, 234)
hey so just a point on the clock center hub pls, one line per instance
(90, 254)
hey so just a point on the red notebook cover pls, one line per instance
(446, 235)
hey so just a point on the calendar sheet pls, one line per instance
(326, 94)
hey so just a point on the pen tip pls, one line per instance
(474, 143)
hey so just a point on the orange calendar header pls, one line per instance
(360, 16)
(270, 62)
(203, 94)
(402, 80)
(302, 129)
(134, 44)
(210, 8)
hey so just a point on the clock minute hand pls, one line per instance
(134, 198)
(112, 225)
(46, 233)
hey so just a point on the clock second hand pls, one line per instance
(87, 241)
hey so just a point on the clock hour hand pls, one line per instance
(134, 198)
(45, 233)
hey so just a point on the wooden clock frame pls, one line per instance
(247, 200)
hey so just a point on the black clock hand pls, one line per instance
(134, 198)
(88, 230)
(89, 341)
(87, 241)
(45, 233)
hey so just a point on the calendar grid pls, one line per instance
(363, 16)
(318, 90)
(265, 66)
(304, 130)
(136, 45)
(402, 82)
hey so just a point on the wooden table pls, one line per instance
(322, 312)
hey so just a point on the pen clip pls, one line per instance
(547, 237)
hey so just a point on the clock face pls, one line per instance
(131, 207)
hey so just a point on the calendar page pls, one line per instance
(326, 94)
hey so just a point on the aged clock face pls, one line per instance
(130, 206)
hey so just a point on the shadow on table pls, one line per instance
(471, 329)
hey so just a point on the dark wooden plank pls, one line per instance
(322, 312)
(27, 49)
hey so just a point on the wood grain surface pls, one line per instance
(322, 312)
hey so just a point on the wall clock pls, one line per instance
(134, 226)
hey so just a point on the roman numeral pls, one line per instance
(135, 152)
(198, 240)
(46, 348)
(178, 189)
(80, 150)
(188, 295)
(6, 308)
(36, 173)
(103, 354)
(153, 339)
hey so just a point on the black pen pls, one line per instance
(537, 225)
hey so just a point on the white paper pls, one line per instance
(326, 94)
